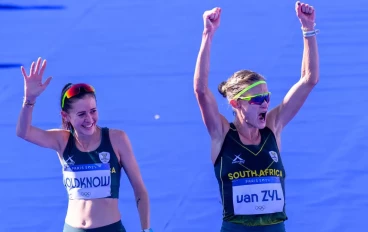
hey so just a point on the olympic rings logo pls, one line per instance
(85, 194)
(260, 207)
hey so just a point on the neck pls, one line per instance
(86, 140)
(246, 130)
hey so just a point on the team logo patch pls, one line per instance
(238, 160)
(104, 157)
(274, 156)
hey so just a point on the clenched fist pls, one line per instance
(306, 15)
(211, 19)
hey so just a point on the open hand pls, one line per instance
(211, 19)
(33, 85)
(306, 15)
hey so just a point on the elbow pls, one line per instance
(141, 193)
(199, 90)
(199, 87)
(20, 133)
(311, 80)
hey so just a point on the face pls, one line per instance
(253, 114)
(83, 115)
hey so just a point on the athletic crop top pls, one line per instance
(91, 175)
(251, 180)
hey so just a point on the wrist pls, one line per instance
(147, 230)
(308, 27)
(207, 34)
(29, 99)
(309, 30)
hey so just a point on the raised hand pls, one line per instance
(306, 14)
(33, 85)
(211, 19)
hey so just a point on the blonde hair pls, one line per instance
(237, 82)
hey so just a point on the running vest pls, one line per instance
(251, 180)
(91, 175)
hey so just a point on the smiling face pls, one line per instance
(78, 108)
(83, 115)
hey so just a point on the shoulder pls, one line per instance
(270, 133)
(267, 131)
(271, 121)
(117, 134)
(62, 137)
(121, 145)
(119, 138)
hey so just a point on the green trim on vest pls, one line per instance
(76, 157)
(238, 161)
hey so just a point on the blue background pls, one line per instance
(140, 56)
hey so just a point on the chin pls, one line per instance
(261, 125)
(88, 131)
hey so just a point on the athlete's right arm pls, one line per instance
(207, 102)
(211, 116)
(44, 138)
(33, 87)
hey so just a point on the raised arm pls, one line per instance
(33, 87)
(279, 117)
(212, 119)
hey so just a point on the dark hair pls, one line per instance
(237, 82)
(68, 104)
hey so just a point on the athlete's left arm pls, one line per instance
(280, 116)
(131, 168)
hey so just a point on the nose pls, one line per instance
(88, 118)
(264, 103)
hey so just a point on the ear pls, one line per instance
(64, 115)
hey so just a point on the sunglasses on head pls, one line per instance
(75, 90)
(257, 99)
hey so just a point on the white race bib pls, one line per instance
(257, 195)
(87, 181)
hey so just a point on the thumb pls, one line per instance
(24, 73)
(297, 7)
(47, 82)
(208, 20)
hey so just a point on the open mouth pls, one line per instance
(89, 126)
(262, 116)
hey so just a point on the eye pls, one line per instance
(93, 111)
(81, 115)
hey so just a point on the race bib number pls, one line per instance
(87, 181)
(257, 195)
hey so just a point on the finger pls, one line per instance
(213, 16)
(298, 7)
(43, 67)
(37, 68)
(206, 14)
(311, 9)
(32, 68)
(303, 8)
(306, 9)
(24, 72)
(46, 83)
(210, 16)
